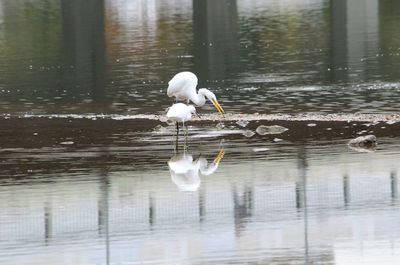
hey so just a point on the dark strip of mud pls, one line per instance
(36, 132)
(38, 145)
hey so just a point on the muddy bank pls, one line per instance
(99, 130)
(30, 145)
(361, 117)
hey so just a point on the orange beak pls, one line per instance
(218, 106)
(219, 156)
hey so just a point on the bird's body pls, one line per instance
(180, 112)
(183, 87)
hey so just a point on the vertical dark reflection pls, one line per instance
(389, 37)
(338, 40)
(299, 194)
(103, 209)
(354, 39)
(202, 203)
(48, 221)
(346, 189)
(215, 38)
(152, 209)
(243, 206)
(29, 48)
(394, 185)
(84, 60)
(301, 187)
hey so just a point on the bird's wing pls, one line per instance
(175, 86)
(179, 84)
(209, 170)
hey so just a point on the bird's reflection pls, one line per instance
(185, 171)
(363, 149)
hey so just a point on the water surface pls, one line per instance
(121, 198)
(268, 57)
(86, 188)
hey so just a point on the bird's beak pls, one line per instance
(217, 106)
(219, 156)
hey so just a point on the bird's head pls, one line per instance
(192, 110)
(211, 97)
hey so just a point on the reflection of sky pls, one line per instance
(272, 229)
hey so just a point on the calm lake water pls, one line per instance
(223, 200)
(258, 56)
(93, 190)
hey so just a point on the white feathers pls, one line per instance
(180, 112)
(185, 172)
(183, 87)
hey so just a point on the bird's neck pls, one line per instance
(198, 99)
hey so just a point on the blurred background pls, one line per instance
(276, 56)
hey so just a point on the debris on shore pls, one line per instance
(364, 141)
(273, 129)
(248, 133)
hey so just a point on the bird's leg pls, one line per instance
(177, 129)
(185, 132)
(186, 129)
(185, 146)
(176, 145)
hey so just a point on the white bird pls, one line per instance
(183, 87)
(185, 172)
(180, 112)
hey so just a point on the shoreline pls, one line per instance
(229, 117)
(99, 130)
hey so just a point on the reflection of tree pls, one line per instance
(48, 220)
(338, 40)
(243, 206)
(84, 47)
(301, 182)
(29, 47)
(33, 56)
(274, 40)
(103, 206)
(389, 21)
(354, 40)
(215, 38)
(152, 209)
(301, 197)
(346, 189)
(394, 185)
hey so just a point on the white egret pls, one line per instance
(185, 172)
(180, 112)
(183, 87)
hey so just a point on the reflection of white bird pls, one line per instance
(180, 112)
(185, 172)
(183, 87)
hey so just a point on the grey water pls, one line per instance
(63, 56)
(77, 187)
(217, 201)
